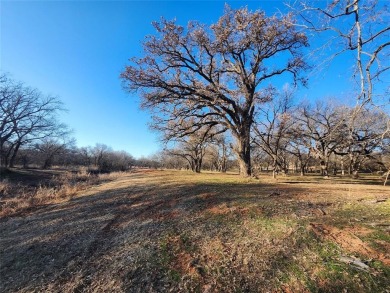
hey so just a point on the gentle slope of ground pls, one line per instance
(161, 231)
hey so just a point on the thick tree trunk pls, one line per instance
(274, 168)
(387, 177)
(355, 170)
(274, 173)
(334, 170)
(48, 162)
(4, 161)
(13, 157)
(244, 156)
(302, 170)
(25, 161)
(302, 166)
(245, 165)
(324, 167)
(224, 166)
(355, 167)
(198, 165)
(7, 155)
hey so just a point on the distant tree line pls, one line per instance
(94, 159)
(321, 137)
(32, 136)
(99, 158)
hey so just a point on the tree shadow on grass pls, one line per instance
(99, 239)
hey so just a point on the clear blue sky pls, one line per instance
(77, 49)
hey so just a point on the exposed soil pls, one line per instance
(349, 241)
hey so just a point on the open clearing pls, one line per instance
(175, 231)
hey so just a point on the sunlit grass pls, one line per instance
(165, 230)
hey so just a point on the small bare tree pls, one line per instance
(222, 152)
(49, 148)
(192, 147)
(273, 123)
(323, 126)
(299, 147)
(364, 136)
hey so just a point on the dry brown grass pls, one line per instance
(18, 197)
(171, 231)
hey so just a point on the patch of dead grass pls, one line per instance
(17, 198)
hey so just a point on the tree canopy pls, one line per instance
(215, 75)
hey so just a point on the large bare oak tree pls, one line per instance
(215, 75)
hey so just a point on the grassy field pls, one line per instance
(175, 231)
